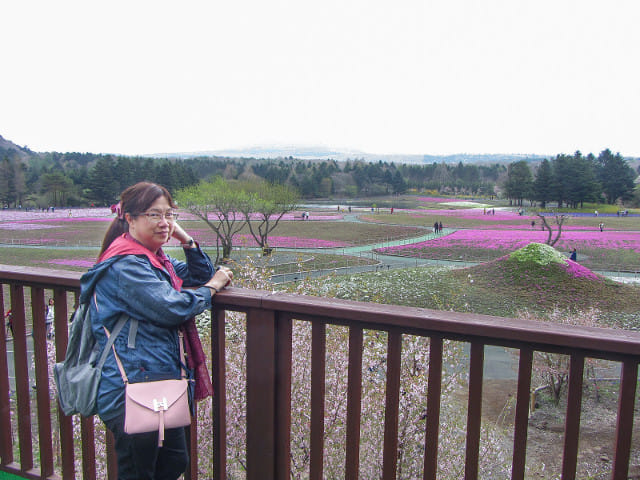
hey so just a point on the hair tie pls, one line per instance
(117, 209)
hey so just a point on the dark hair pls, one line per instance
(135, 200)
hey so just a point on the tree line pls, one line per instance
(572, 180)
(34, 179)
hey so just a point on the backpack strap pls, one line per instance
(133, 330)
(110, 339)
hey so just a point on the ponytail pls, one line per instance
(118, 227)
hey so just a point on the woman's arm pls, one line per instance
(146, 295)
(198, 268)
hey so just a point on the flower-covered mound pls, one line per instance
(541, 278)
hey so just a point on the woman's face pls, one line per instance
(152, 234)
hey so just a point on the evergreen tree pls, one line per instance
(543, 183)
(615, 175)
(519, 183)
(58, 187)
(104, 184)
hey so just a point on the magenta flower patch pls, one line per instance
(578, 271)
(509, 240)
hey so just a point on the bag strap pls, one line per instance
(116, 331)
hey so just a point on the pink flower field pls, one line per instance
(509, 240)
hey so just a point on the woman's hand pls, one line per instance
(221, 279)
(179, 234)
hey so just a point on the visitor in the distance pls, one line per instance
(49, 316)
(134, 276)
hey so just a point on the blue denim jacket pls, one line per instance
(131, 284)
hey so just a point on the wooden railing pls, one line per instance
(269, 319)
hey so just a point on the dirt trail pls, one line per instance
(545, 440)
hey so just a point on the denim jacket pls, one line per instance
(131, 284)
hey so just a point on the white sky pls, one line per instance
(403, 76)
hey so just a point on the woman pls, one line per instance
(134, 276)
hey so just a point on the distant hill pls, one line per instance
(312, 152)
(323, 153)
(8, 145)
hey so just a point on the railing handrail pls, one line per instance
(421, 321)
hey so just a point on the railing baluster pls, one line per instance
(474, 413)
(522, 414)
(87, 433)
(219, 395)
(283, 397)
(572, 422)
(433, 409)
(624, 427)
(22, 377)
(354, 404)
(261, 370)
(66, 423)
(192, 446)
(112, 460)
(39, 329)
(392, 404)
(6, 446)
(318, 361)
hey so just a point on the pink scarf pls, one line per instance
(196, 359)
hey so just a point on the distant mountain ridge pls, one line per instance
(312, 152)
(324, 153)
(8, 145)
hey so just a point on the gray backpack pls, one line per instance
(78, 377)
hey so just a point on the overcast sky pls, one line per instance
(404, 76)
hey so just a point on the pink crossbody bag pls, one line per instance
(154, 406)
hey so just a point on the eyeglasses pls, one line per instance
(156, 217)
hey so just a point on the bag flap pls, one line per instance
(144, 393)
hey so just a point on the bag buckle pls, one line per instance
(160, 404)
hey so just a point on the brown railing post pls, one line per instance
(624, 427)
(87, 434)
(572, 421)
(112, 459)
(283, 397)
(392, 404)
(522, 414)
(474, 410)
(6, 447)
(22, 377)
(318, 355)
(65, 422)
(219, 395)
(354, 403)
(191, 433)
(433, 409)
(40, 347)
(261, 370)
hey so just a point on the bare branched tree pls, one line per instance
(559, 220)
